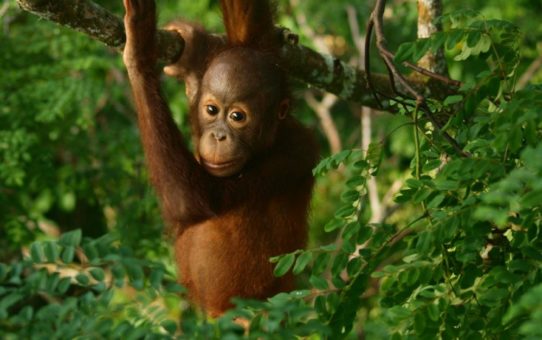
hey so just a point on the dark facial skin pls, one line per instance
(234, 113)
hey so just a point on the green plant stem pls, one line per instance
(416, 142)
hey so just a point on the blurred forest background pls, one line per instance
(70, 159)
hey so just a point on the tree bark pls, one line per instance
(429, 12)
(321, 71)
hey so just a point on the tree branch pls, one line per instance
(95, 21)
(321, 71)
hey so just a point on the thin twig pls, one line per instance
(356, 36)
(450, 139)
(387, 56)
(4, 8)
(377, 210)
(322, 109)
(367, 63)
(431, 74)
(535, 66)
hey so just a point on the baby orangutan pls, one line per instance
(244, 196)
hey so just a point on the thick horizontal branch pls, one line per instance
(95, 21)
(323, 72)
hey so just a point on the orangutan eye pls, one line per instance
(237, 116)
(212, 110)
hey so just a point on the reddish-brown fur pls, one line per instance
(227, 227)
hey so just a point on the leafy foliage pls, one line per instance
(457, 255)
(54, 294)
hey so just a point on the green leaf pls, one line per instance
(4, 271)
(404, 52)
(175, 288)
(436, 201)
(10, 300)
(71, 239)
(333, 225)
(138, 284)
(97, 273)
(364, 234)
(483, 45)
(82, 279)
(532, 252)
(119, 273)
(36, 252)
(320, 306)
(465, 53)
(27, 313)
(350, 230)
(422, 47)
(283, 266)
(493, 296)
(156, 278)
(425, 242)
(51, 251)
(52, 281)
(520, 266)
(374, 154)
(431, 165)
(301, 262)
(344, 212)
(412, 276)
(350, 196)
(318, 282)
(433, 312)
(329, 247)
(340, 157)
(420, 322)
(67, 254)
(339, 264)
(378, 275)
(532, 199)
(360, 165)
(135, 273)
(63, 285)
(356, 181)
(320, 263)
(473, 38)
(445, 185)
(450, 100)
(99, 287)
(398, 313)
(91, 252)
(354, 266)
(454, 38)
(414, 183)
(170, 326)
